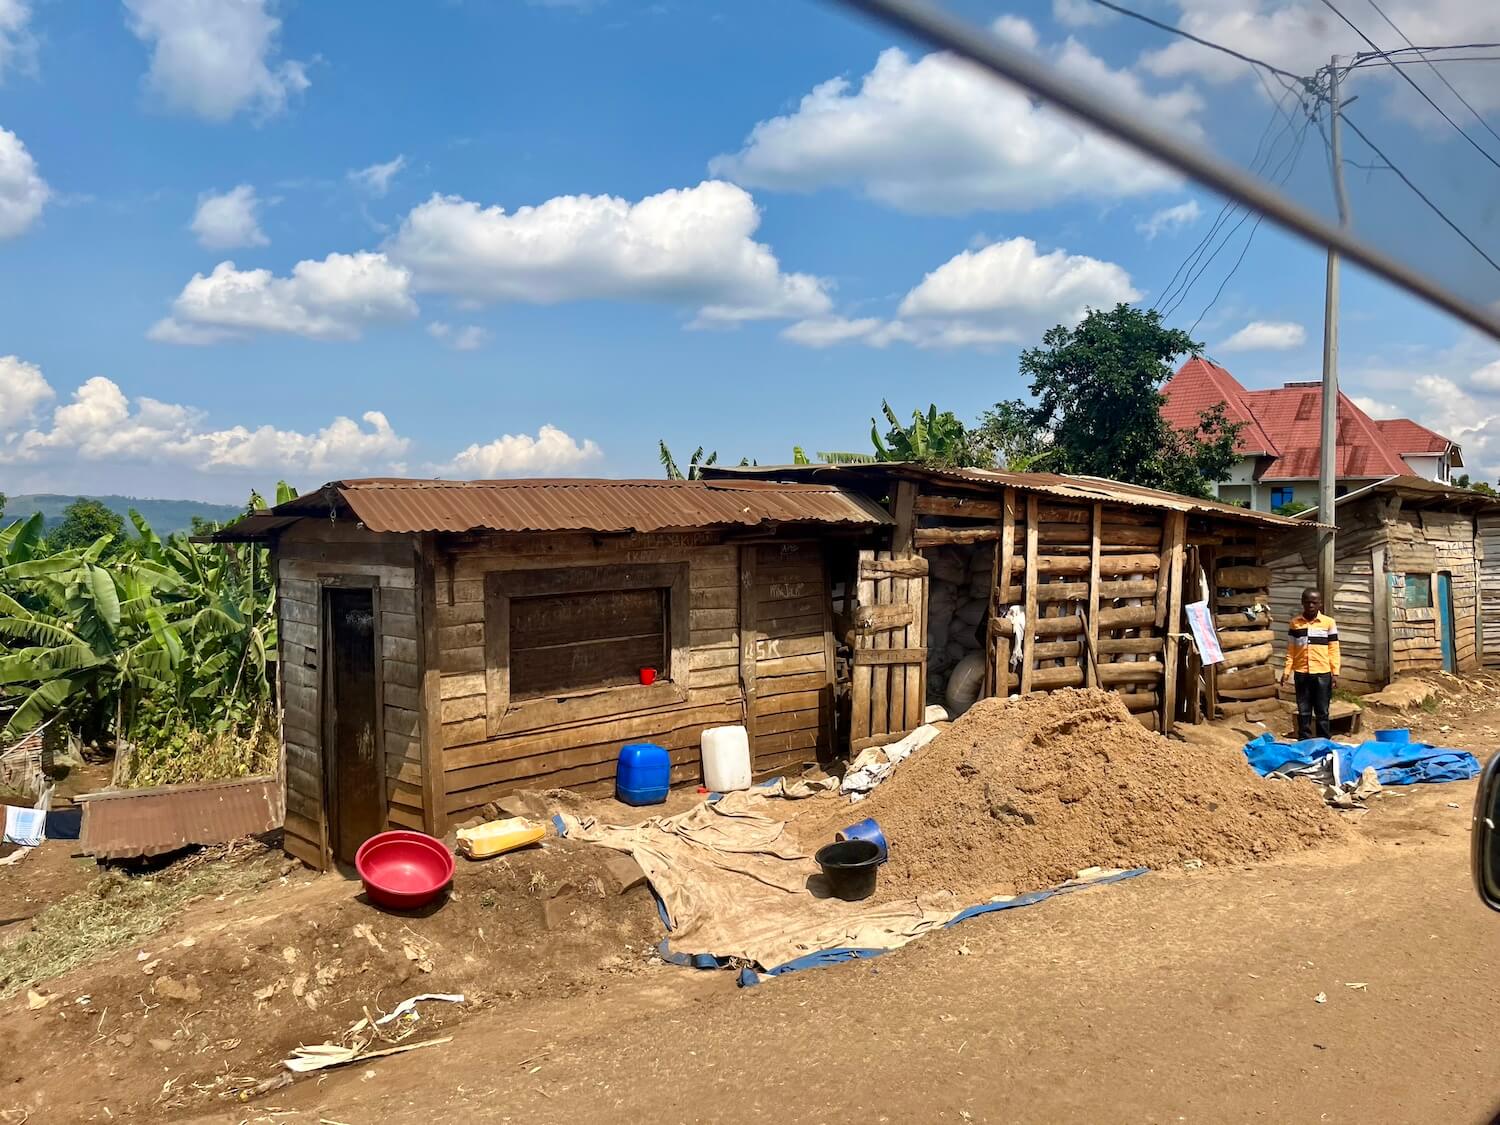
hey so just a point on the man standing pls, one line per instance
(1312, 660)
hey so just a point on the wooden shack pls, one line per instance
(443, 643)
(1409, 595)
(1099, 571)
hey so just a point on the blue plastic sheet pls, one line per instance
(1395, 763)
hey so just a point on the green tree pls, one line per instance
(1015, 442)
(1291, 508)
(696, 464)
(935, 438)
(83, 522)
(1097, 408)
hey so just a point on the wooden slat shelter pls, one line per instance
(1099, 571)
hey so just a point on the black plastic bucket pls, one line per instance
(849, 867)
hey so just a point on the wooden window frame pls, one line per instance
(506, 716)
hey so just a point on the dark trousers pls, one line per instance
(1314, 694)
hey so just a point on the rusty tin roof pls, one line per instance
(1064, 487)
(129, 823)
(400, 505)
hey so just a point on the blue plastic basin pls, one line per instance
(1397, 734)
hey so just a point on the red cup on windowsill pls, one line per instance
(648, 676)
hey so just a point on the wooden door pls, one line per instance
(352, 757)
(888, 695)
(1444, 594)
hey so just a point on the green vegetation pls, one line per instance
(84, 522)
(165, 643)
(168, 517)
(1483, 487)
(1291, 508)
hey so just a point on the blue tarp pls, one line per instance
(1395, 763)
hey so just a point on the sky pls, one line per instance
(243, 240)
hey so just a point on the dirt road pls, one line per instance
(1179, 996)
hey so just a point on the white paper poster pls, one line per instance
(1201, 621)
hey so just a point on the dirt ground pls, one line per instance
(1187, 994)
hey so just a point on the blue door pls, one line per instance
(1445, 622)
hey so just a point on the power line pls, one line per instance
(1329, 4)
(1196, 39)
(1283, 173)
(944, 31)
(1441, 77)
(1373, 60)
(1262, 153)
(1436, 210)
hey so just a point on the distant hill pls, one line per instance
(164, 516)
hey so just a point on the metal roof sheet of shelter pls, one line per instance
(1416, 492)
(398, 505)
(1064, 487)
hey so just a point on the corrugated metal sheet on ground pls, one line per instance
(128, 823)
(398, 505)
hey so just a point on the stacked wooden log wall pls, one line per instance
(308, 556)
(1098, 587)
(1240, 599)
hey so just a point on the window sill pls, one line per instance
(535, 714)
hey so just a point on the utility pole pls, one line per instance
(1328, 464)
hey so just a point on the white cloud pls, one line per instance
(937, 135)
(688, 246)
(17, 43)
(551, 453)
(1266, 335)
(376, 179)
(1008, 287)
(1375, 408)
(23, 192)
(223, 222)
(824, 332)
(1300, 35)
(1170, 220)
(23, 390)
(332, 299)
(100, 424)
(1487, 378)
(214, 58)
(459, 337)
(1079, 13)
(1004, 293)
(1475, 425)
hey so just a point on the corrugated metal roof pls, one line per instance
(1431, 493)
(399, 505)
(128, 823)
(1076, 488)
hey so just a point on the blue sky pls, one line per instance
(532, 238)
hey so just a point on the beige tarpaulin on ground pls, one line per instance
(735, 883)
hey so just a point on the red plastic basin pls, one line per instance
(403, 870)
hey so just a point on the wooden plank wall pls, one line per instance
(1428, 542)
(793, 636)
(793, 678)
(308, 556)
(1356, 590)
(1489, 586)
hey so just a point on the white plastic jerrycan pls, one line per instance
(726, 759)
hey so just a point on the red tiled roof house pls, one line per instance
(1279, 444)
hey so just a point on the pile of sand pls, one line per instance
(1020, 794)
